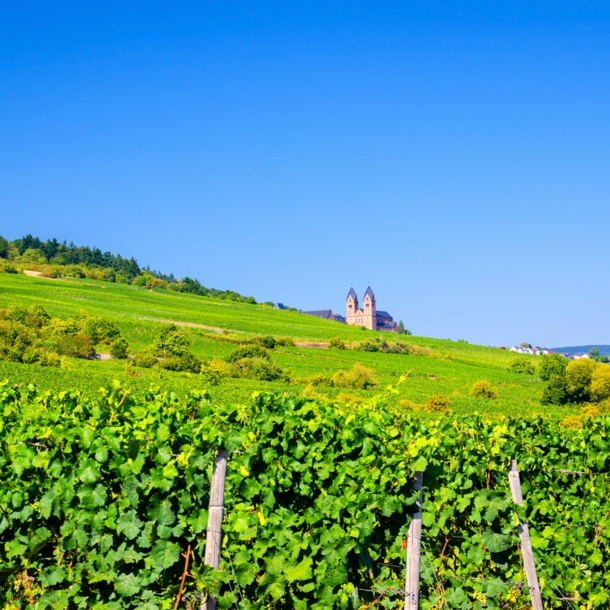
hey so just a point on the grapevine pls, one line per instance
(103, 503)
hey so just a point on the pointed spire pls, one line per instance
(369, 292)
(352, 293)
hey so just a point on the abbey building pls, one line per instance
(368, 316)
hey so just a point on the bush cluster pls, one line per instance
(31, 336)
(522, 365)
(255, 362)
(248, 351)
(336, 343)
(483, 389)
(77, 337)
(359, 378)
(378, 344)
(575, 382)
(170, 351)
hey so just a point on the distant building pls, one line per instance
(327, 314)
(279, 306)
(368, 316)
(534, 351)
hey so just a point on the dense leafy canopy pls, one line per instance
(100, 501)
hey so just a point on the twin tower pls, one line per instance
(368, 316)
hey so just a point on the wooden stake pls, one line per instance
(216, 512)
(414, 549)
(526, 544)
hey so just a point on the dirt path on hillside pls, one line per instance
(188, 324)
(306, 344)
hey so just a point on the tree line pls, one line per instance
(62, 259)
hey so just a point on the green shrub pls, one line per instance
(267, 342)
(336, 343)
(37, 317)
(579, 374)
(6, 267)
(483, 389)
(552, 365)
(284, 341)
(248, 351)
(33, 255)
(214, 371)
(139, 280)
(74, 271)
(437, 404)
(99, 329)
(359, 378)
(600, 383)
(261, 369)
(108, 275)
(47, 358)
(173, 363)
(522, 365)
(421, 350)
(398, 348)
(74, 346)
(222, 368)
(59, 327)
(17, 313)
(408, 405)
(119, 348)
(190, 363)
(556, 391)
(17, 342)
(317, 380)
(15, 338)
(369, 346)
(187, 363)
(144, 359)
(171, 341)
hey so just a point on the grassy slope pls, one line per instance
(139, 313)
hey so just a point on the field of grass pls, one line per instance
(140, 313)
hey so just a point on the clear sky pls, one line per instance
(456, 155)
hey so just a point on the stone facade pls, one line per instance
(368, 316)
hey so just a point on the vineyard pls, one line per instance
(214, 328)
(104, 504)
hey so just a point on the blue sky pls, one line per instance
(454, 155)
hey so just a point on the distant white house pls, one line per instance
(580, 356)
(532, 351)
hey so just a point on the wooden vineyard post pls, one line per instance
(526, 544)
(215, 515)
(414, 549)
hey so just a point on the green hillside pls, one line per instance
(215, 327)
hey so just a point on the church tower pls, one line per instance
(369, 310)
(351, 306)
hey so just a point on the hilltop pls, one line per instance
(215, 327)
(604, 350)
(55, 259)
